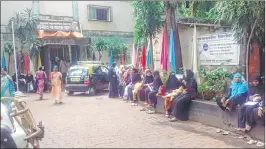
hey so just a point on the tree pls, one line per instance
(109, 44)
(25, 27)
(247, 19)
(170, 7)
(148, 21)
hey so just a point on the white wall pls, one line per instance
(122, 16)
(57, 8)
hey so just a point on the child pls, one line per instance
(135, 92)
(168, 99)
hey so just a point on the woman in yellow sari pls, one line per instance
(56, 78)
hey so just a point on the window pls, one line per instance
(99, 13)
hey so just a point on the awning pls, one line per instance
(42, 34)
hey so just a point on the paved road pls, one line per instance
(101, 122)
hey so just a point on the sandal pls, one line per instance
(240, 129)
(167, 115)
(173, 120)
(251, 142)
(143, 109)
(151, 112)
(260, 144)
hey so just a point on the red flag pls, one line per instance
(143, 58)
(122, 58)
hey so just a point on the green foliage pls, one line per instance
(25, 26)
(198, 9)
(213, 82)
(242, 15)
(108, 44)
(8, 48)
(35, 48)
(148, 19)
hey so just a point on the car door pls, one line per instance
(105, 72)
(98, 78)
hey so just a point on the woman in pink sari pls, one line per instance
(40, 79)
(56, 78)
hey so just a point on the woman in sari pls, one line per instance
(56, 78)
(237, 94)
(40, 81)
(182, 102)
(7, 88)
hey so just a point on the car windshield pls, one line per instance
(77, 72)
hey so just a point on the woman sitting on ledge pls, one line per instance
(255, 96)
(145, 89)
(182, 102)
(174, 85)
(236, 96)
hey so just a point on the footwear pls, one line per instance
(248, 127)
(260, 144)
(173, 120)
(55, 102)
(167, 115)
(251, 142)
(151, 112)
(60, 102)
(143, 109)
(240, 129)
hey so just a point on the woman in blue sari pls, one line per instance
(7, 87)
(237, 94)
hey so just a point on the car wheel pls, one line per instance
(92, 91)
(70, 93)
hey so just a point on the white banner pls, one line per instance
(218, 49)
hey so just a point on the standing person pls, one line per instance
(157, 83)
(113, 85)
(7, 88)
(63, 68)
(237, 94)
(121, 83)
(30, 82)
(56, 78)
(40, 81)
(182, 102)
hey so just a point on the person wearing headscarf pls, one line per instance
(113, 84)
(182, 102)
(174, 85)
(156, 84)
(236, 96)
(121, 82)
(144, 90)
(135, 78)
(255, 100)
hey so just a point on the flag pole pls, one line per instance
(15, 58)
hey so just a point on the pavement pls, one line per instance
(98, 122)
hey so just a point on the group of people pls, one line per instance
(132, 86)
(250, 97)
(56, 77)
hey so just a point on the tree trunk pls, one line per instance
(248, 49)
(178, 53)
(152, 62)
(100, 55)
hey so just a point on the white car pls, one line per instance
(12, 135)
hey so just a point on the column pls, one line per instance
(70, 56)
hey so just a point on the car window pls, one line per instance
(104, 69)
(77, 72)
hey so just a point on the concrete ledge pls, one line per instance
(209, 113)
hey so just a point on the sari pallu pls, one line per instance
(7, 90)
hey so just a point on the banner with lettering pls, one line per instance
(218, 49)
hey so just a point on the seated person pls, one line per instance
(126, 81)
(145, 89)
(255, 96)
(182, 102)
(135, 78)
(174, 85)
(236, 96)
(135, 92)
(156, 85)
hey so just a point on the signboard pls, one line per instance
(58, 26)
(63, 41)
(218, 49)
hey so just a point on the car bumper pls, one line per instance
(76, 88)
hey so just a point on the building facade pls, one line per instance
(90, 19)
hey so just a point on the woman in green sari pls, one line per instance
(7, 87)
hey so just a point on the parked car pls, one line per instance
(12, 134)
(87, 77)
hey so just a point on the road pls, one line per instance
(84, 122)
